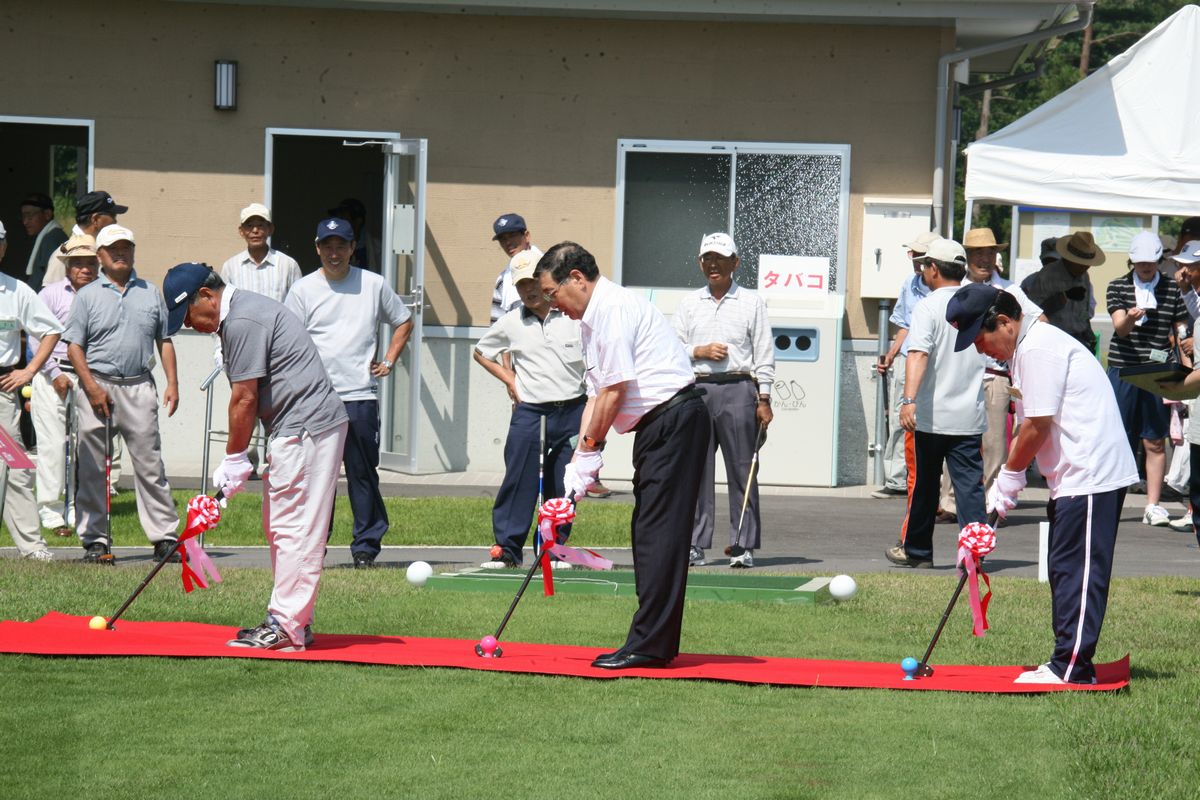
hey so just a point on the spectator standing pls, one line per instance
(1145, 306)
(37, 217)
(1062, 287)
(93, 212)
(727, 334)
(342, 308)
(545, 384)
(54, 382)
(260, 268)
(943, 407)
(898, 451)
(115, 325)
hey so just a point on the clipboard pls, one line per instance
(1150, 376)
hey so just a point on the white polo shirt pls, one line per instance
(627, 339)
(1054, 376)
(950, 400)
(547, 354)
(21, 310)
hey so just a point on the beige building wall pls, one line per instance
(522, 114)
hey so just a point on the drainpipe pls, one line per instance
(943, 98)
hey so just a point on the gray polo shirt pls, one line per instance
(118, 330)
(262, 339)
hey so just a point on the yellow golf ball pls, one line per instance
(26, 392)
(97, 623)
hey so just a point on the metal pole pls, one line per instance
(206, 387)
(881, 398)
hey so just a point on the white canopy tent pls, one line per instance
(1125, 139)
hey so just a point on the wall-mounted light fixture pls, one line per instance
(225, 85)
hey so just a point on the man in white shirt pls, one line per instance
(1070, 422)
(943, 406)
(260, 268)
(726, 332)
(342, 308)
(639, 378)
(545, 383)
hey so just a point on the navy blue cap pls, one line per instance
(967, 309)
(508, 223)
(181, 283)
(335, 227)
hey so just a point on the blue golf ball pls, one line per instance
(909, 665)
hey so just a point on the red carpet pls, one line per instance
(63, 635)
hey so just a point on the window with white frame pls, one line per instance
(775, 199)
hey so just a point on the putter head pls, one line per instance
(735, 550)
(924, 671)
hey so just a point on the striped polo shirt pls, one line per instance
(1155, 332)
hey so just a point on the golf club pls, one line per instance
(736, 549)
(68, 473)
(150, 576)
(513, 606)
(108, 448)
(923, 668)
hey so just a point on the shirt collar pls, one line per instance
(268, 259)
(731, 294)
(226, 299)
(602, 287)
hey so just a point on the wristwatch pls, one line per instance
(588, 441)
(765, 399)
(906, 401)
(386, 363)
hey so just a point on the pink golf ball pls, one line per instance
(488, 644)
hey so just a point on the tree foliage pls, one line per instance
(1116, 26)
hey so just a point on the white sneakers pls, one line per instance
(40, 555)
(744, 561)
(1157, 516)
(1183, 524)
(1043, 674)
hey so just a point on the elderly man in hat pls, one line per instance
(1070, 421)
(1062, 287)
(260, 268)
(1146, 307)
(54, 382)
(37, 217)
(897, 452)
(24, 312)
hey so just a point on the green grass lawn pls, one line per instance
(145, 727)
(415, 521)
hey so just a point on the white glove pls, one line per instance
(232, 474)
(1002, 497)
(581, 474)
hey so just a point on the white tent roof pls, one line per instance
(1125, 139)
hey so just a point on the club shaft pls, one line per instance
(737, 539)
(513, 607)
(145, 582)
(962, 581)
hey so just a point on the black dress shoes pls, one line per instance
(621, 660)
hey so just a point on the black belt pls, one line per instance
(686, 393)
(724, 377)
(1003, 373)
(574, 401)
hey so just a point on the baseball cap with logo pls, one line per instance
(98, 202)
(966, 311)
(522, 265)
(719, 243)
(1190, 254)
(181, 283)
(1146, 246)
(254, 210)
(508, 223)
(334, 227)
(946, 250)
(114, 233)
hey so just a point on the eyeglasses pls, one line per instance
(549, 296)
(250, 226)
(709, 258)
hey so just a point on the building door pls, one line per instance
(47, 156)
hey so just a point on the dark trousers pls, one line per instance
(963, 457)
(516, 501)
(361, 460)
(1194, 488)
(668, 462)
(734, 411)
(1083, 537)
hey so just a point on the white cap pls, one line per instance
(522, 265)
(946, 250)
(719, 243)
(1146, 246)
(254, 210)
(920, 244)
(113, 233)
(1190, 254)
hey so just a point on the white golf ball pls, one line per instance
(418, 572)
(842, 587)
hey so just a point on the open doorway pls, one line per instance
(312, 174)
(46, 156)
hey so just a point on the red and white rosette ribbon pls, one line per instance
(552, 515)
(976, 540)
(203, 513)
